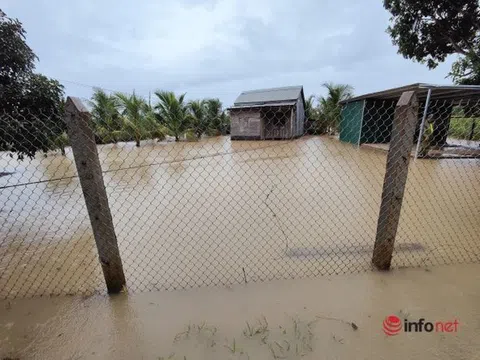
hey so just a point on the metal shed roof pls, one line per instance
(264, 105)
(437, 92)
(273, 95)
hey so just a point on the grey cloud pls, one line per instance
(123, 46)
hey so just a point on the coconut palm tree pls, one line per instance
(311, 116)
(329, 106)
(224, 124)
(217, 118)
(173, 112)
(134, 110)
(152, 127)
(199, 120)
(309, 106)
(106, 117)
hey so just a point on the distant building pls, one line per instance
(268, 114)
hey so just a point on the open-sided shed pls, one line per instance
(368, 118)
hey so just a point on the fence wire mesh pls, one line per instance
(441, 203)
(253, 193)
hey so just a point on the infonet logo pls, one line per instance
(393, 325)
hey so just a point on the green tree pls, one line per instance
(466, 70)
(219, 121)
(428, 31)
(134, 111)
(199, 120)
(311, 116)
(225, 123)
(107, 121)
(173, 112)
(153, 129)
(310, 107)
(329, 110)
(31, 105)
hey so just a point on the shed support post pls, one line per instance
(422, 125)
(398, 158)
(84, 149)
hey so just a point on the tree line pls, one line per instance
(32, 107)
(31, 104)
(129, 117)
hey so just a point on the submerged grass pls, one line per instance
(291, 340)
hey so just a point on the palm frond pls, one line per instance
(173, 112)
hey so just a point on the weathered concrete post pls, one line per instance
(84, 149)
(396, 173)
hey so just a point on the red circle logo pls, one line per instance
(392, 325)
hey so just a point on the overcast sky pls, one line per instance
(216, 48)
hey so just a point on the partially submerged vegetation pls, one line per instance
(323, 113)
(259, 340)
(292, 340)
(121, 117)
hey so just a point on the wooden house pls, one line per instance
(268, 114)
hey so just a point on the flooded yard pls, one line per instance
(217, 212)
(285, 319)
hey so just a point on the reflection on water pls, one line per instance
(193, 214)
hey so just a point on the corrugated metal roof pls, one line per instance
(437, 92)
(273, 95)
(244, 106)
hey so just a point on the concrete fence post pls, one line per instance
(82, 140)
(398, 158)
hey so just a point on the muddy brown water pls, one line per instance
(211, 323)
(217, 212)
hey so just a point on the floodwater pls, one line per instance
(289, 319)
(217, 212)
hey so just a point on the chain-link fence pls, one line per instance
(269, 189)
(441, 203)
(46, 244)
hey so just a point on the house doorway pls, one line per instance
(276, 123)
